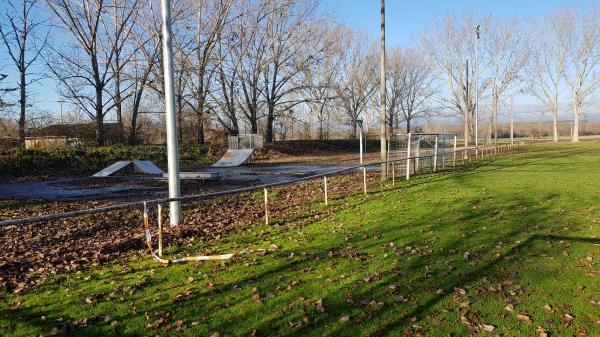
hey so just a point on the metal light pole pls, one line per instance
(62, 121)
(477, 32)
(172, 146)
(383, 117)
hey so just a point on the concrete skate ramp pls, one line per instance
(141, 166)
(234, 158)
(147, 167)
(111, 169)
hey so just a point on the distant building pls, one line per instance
(71, 134)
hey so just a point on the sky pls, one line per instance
(404, 20)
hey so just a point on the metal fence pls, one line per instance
(435, 161)
(245, 141)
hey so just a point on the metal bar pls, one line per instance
(266, 206)
(435, 157)
(160, 230)
(408, 150)
(325, 187)
(206, 196)
(171, 119)
(364, 180)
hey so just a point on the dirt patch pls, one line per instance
(30, 253)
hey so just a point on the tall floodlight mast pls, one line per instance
(383, 120)
(172, 146)
(478, 33)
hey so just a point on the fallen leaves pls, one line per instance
(524, 318)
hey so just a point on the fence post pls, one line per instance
(266, 207)
(454, 156)
(364, 180)
(325, 185)
(435, 154)
(416, 161)
(393, 174)
(408, 150)
(160, 230)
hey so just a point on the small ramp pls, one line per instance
(141, 166)
(234, 158)
(111, 169)
(147, 167)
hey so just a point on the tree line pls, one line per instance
(260, 66)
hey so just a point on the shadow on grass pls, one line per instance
(452, 239)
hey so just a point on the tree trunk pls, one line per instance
(99, 117)
(576, 109)
(270, 122)
(407, 125)
(119, 108)
(554, 126)
(200, 127)
(22, 103)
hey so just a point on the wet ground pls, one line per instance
(143, 187)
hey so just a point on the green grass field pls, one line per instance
(508, 247)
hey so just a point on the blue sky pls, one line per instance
(404, 20)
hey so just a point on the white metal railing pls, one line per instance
(245, 141)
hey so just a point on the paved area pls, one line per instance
(143, 187)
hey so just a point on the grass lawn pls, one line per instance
(510, 247)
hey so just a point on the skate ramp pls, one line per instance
(146, 167)
(140, 166)
(234, 158)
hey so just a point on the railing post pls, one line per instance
(417, 156)
(160, 230)
(454, 156)
(364, 180)
(435, 154)
(266, 206)
(408, 150)
(325, 187)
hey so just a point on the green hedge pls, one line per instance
(66, 161)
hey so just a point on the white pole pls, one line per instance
(365, 180)
(477, 30)
(266, 206)
(325, 183)
(454, 153)
(172, 146)
(360, 139)
(160, 231)
(435, 154)
(408, 157)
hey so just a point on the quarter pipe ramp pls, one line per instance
(234, 158)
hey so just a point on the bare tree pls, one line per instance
(85, 81)
(546, 66)
(211, 17)
(288, 32)
(24, 34)
(319, 77)
(124, 12)
(449, 48)
(147, 40)
(583, 59)
(508, 51)
(410, 85)
(356, 82)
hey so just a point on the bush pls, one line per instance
(69, 161)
